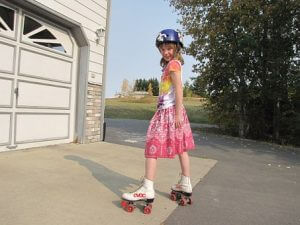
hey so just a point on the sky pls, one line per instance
(134, 26)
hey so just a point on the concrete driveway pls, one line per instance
(253, 183)
(81, 184)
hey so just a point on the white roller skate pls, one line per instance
(182, 191)
(144, 193)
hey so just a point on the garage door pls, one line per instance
(37, 81)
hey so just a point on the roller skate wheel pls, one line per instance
(129, 208)
(173, 197)
(124, 204)
(147, 209)
(183, 202)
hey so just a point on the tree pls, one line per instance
(150, 89)
(155, 86)
(143, 85)
(137, 85)
(247, 56)
(187, 91)
(198, 86)
(125, 88)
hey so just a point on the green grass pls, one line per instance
(143, 109)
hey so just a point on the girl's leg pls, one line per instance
(184, 184)
(150, 168)
(185, 164)
(146, 189)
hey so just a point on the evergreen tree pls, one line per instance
(248, 63)
(155, 86)
(150, 90)
(144, 85)
(137, 85)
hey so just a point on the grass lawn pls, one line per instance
(143, 109)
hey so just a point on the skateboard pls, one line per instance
(183, 198)
(129, 206)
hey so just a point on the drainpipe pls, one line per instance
(102, 124)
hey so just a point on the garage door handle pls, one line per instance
(17, 91)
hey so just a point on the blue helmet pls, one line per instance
(169, 36)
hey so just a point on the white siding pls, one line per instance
(91, 14)
(99, 7)
(96, 57)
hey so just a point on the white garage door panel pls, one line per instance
(7, 58)
(6, 92)
(38, 79)
(4, 128)
(41, 127)
(44, 96)
(45, 67)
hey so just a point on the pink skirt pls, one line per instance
(163, 139)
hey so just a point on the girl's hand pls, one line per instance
(178, 121)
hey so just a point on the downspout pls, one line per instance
(102, 127)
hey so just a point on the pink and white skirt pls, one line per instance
(163, 139)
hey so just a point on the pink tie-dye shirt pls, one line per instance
(166, 88)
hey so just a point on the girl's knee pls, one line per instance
(183, 154)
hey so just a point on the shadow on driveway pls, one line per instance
(112, 180)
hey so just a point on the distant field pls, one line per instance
(143, 109)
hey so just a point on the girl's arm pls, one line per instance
(177, 83)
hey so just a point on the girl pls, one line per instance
(169, 132)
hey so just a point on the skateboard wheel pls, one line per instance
(124, 204)
(147, 209)
(129, 208)
(173, 197)
(183, 202)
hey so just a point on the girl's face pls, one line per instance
(167, 51)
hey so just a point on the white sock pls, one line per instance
(148, 184)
